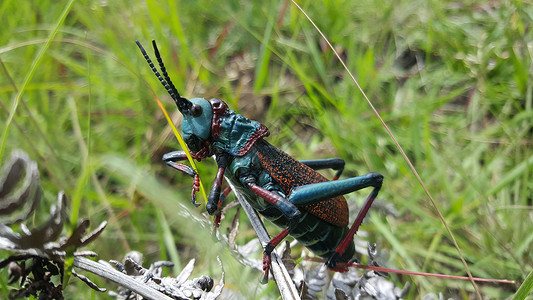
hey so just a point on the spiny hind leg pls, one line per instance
(376, 181)
(312, 193)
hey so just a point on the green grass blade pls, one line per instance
(169, 243)
(525, 289)
(29, 75)
(262, 70)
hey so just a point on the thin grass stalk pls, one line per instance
(284, 282)
(401, 151)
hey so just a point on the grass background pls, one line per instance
(452, 80)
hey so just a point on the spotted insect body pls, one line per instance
(288, 192)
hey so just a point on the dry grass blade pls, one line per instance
(282, 277)
(400, 149)
(117, 277)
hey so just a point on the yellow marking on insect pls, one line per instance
(182, 144)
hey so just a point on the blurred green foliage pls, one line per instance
(453, 80)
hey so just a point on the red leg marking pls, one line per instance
(226, 192)
(218, 216)
(355, 226)
(195, 188)
(269, 248)
(218, 213)
(278, 238)
(266, 266)
(339, 251)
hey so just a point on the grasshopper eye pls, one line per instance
(196, 110)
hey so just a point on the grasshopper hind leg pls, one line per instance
(372, 179)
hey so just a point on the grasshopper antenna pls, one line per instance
(164, 70)
(183, 104)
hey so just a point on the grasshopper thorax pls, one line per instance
(202, 125)
(215, 129)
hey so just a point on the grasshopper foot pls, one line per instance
(266, 266)
(333, 261)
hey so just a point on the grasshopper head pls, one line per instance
(209, 125)
(197, 113)
(196, 125)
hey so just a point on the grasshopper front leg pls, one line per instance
(171, 159)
